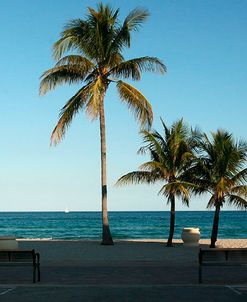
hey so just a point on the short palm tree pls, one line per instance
(170, 156)
(95, 60)
(221, 171)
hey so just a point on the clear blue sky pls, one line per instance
(203, 44)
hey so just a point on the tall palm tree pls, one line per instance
(170, 155)
(95, 46)
(221, 171)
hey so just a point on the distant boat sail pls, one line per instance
(66, 210)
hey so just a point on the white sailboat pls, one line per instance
(66, 210)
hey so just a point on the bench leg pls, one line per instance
(37, 265)
(200, 274)
(34, 274)
(38, 273)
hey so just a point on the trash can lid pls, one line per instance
(190, 229)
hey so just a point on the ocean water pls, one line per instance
(124, 225)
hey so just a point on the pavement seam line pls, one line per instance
(234, 290)
(7, 291)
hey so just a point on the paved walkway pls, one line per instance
(81, 271)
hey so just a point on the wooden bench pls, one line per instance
(221, 257)
(21, 258)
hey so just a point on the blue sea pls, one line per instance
(124, 225)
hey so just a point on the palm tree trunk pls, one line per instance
(172, 220)
(106, 233)
(215, 226)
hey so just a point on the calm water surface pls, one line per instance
(124, 225)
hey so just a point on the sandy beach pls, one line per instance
(234, 243)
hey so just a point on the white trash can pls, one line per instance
(191, 236)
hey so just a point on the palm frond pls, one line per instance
(136, 102)
(152, 144)
(239, 190)
(212, 202)
(240, 177)
(242, 149)
(179, 189)
(135, 18)
(59, 75)
(71, 108)
(76, 36)
(184, 193)
(202, 187)
(138, 177)
(237, 201)
(166, 129)
(72, 60)
(113, 59)
(152, 166)
(133, 68)
(122, 36)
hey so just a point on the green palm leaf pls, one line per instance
(212, 202)
(135, 18)
(137, 177)
(152, 166)
(75, 37)
(152, 143)
(178, 188)
(136, 102)
(240, 190)
(132, 22)
(237, 201)
(240, 177)
(71, 108)
(76, 60)
(69, 74)
(134, 67)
